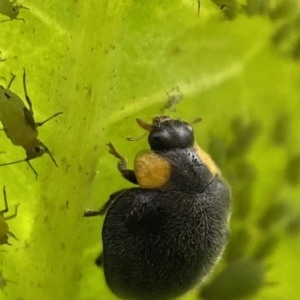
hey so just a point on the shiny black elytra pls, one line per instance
(162, 238)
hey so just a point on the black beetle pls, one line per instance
(162, 238)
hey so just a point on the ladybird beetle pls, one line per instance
(4, 230)
(162, 239)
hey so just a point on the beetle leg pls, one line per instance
(99, 260)
(122, 165)
(103, 209)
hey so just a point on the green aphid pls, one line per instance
(238, 245)
(19, 124)
(273, 215)
(239, 279)
(292, 171)
(266, 247)
(11, 9)
(4, 229)
(4, 281)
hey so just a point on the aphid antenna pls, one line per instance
(23, 7)
(51, 156)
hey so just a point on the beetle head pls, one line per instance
(166, 133)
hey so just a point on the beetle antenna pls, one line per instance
(145, 126)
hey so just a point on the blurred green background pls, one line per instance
(105, 63)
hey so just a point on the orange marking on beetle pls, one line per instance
(151, 170)
(207, 160)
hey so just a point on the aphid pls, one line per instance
(4, 230)
(19, 124)
(242, 278)
(162, 238)
(1, 59)
(222, 3)
(11, 10)
(4, 281)
(174, 97)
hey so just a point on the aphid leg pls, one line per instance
(199, 5)
(103, 209)
(7, 20)
(5, 202)
(20, 19)
(12, 235)
(19, 161)
(34, 171)
(122, 165)
(25, 92)
(38, 124)
(15, 213)
(99, 260)
(13, 77)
